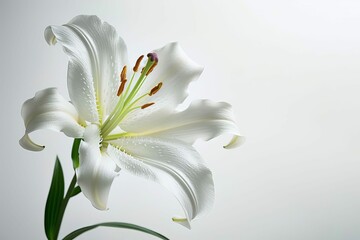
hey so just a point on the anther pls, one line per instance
(147, 105)
(137, 64)
(151, 68)
(155, 89)
(123, 74)
(122, 87)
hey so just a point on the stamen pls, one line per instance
(152, 68)
(155, 89)
(137, 64)
(126, 101)
(123, 74)
(122, 87)
(152, 59)
(147, 105)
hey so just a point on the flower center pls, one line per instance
(127, 93)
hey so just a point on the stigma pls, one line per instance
(153, 57)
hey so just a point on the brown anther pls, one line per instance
(151, 68)
(137, 64)
(147, 105)
(122, 87)
(123, 74)
(155, 89)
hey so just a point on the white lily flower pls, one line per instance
(130, 124)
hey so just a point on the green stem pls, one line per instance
(64, 204)
(80, 231)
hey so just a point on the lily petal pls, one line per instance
(172, 163)
(49, 110)
(203, 119)
(97, 54)
(176, 71)
(96, 170)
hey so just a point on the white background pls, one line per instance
(289, 68)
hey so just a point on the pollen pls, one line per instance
(122, 87)
(123, 74)
(155, 89)
(151, 68)
(137, 64)
(147, 105)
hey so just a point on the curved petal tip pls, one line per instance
(235, 142)
(28, 144)
(49, 36)
(182, 221)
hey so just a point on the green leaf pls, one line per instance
(54, 201)
(76, 191)
(75, 152)
(79, 231)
